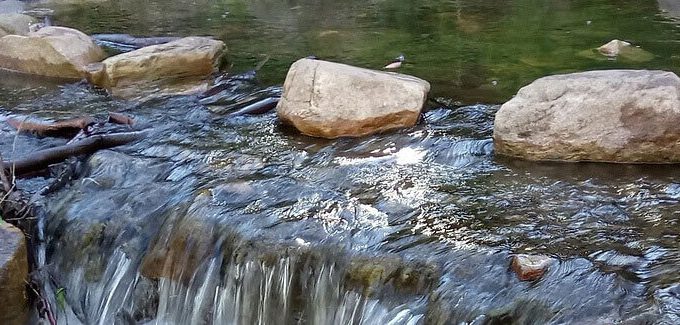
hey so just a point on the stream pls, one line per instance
(218, 219)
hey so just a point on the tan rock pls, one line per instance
(613, 116)
(176, 67)
(15, 24)
(52, 51)
(613, 48)
(332, 100)
(530, 267)
(13, 274)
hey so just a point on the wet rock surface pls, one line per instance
(332, 100)
(178, 67)
(614, 116)
(57, 52)
(668, 300)
(13, 276)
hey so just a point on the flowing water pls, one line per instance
(214, 219)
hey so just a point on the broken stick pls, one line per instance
(63, 129)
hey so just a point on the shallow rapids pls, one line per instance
(222, 219)
(237, 220)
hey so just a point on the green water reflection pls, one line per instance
(470, 50)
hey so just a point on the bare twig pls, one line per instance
(44, 307)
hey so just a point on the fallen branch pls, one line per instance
(41, 159)
(64, 129)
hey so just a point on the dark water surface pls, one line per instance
(217, 220)
(470, 50)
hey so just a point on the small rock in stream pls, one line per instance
(613, 48)
(530, 267)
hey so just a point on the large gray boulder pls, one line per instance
(51, 51)
(13, 23)
(13, 275)
(179, 67)
(612, 116)
(332, 100)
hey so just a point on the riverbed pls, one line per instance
(240, 220)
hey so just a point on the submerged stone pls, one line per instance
(626, 116)
(530, 267)
(58, 52)
(13, 275)
(618, 50)
(331, 100)
(179, 67)
(613, 48)
(371, 274)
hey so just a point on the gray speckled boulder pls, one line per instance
(613, 116)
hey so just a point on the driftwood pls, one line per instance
(41, 159)
(63, 129)
(119, 118)
(258, 107)
(126, 42)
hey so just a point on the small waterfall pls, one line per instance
(247, 293)
(288, 286)
(102, 300)
(287, 290)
